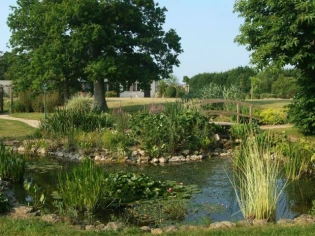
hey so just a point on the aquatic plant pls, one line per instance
(82, 187)
(12, 165)
(35, 197)
(257, 181)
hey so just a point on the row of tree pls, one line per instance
(280, 83)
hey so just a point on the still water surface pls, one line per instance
(216, 201)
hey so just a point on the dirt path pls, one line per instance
(33, 123)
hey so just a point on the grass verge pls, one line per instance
(10, 226)
(270, 103)
(11, 129)
(28, 116)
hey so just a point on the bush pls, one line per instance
(110, 94)
(80, 103)
(52, 101)
(170, 92)
(27, 102)
(273, 116)
(302, 114)
(171, 129)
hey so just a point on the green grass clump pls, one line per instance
(81, 188)
(80, 103)
(12, 165)
(257, 178)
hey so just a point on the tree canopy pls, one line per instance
(60, 41)
(279, 33)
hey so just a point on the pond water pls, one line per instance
(217, 200)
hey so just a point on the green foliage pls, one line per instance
(273, 116)
(281, 33)
(28, 102)
(35, 196)
(171, 129)
(241, 130)
(129, 187)
(215, 91)
(12, 165)
(111, 94)
(257, 173)
(80, 103)
(97, 27)
(297, 156)
(64, 122)
(162, 88)
(116, 142)
(81, 188)
(301, 113)
(170, 92)
(238, 77)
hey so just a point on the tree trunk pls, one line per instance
(99, 96)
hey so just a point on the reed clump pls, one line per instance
(257, 181)
(81, 188)
(12, 165)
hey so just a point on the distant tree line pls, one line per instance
(280, 83)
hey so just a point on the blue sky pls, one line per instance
(207, 29)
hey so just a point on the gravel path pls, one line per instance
(33, 123)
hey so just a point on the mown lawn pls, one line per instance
(270, 103)
(12, 129)
(10, 226)
(29, 115)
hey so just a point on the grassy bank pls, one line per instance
(270, 103)
(10, 226)
(11, 129)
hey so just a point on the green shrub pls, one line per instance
(80, 103)
(301, 112)
(52, 100)
(170, 92)
(110, 94)
(12, 165)
(25, 100)
(272, 116)
(171, 129)
(18, 106)
(115, 141)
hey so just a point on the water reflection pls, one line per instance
(216, 202)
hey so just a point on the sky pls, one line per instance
(207, 29)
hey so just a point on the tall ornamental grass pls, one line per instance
(12, 165)
(257, 181)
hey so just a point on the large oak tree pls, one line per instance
(279, 33)
(61, 41)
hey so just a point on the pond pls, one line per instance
(216, 202)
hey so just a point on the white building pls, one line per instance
(6, 86)
(135, 91)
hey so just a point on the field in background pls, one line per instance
(135, 104)
(270, 103)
